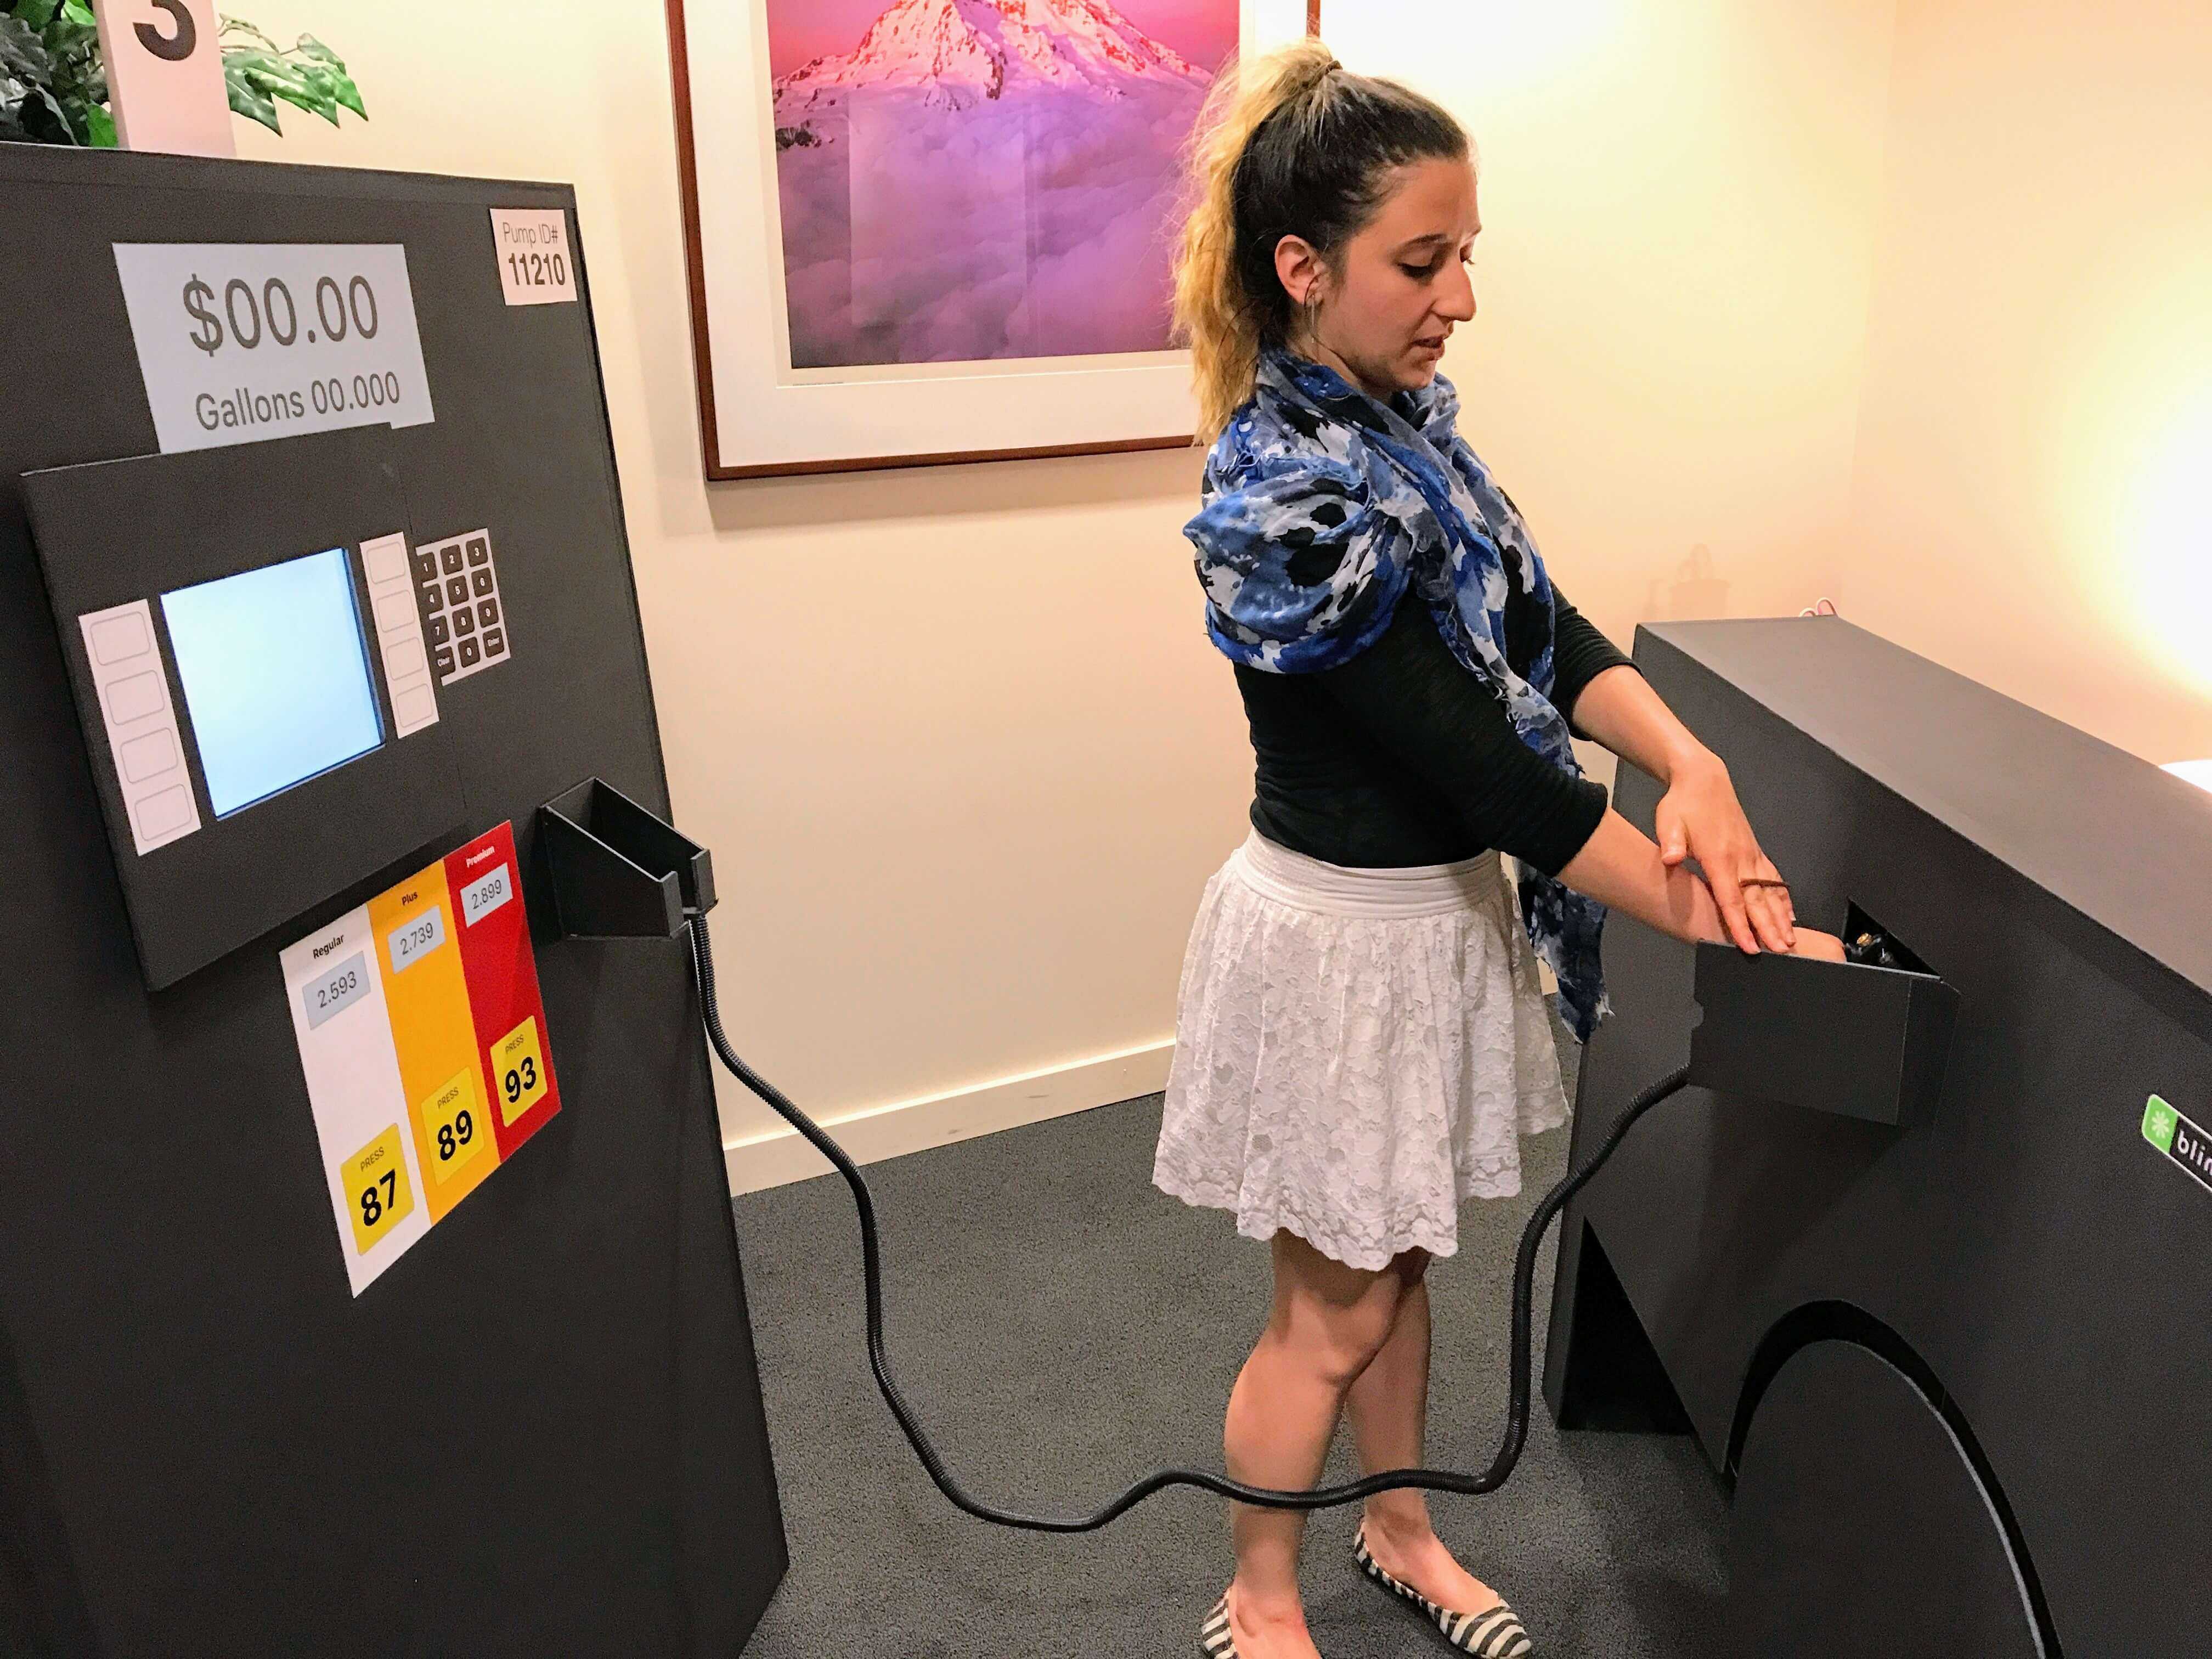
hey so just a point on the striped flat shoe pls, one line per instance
(1214, 1640)
(1497, 1634)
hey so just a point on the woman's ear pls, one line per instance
(1299, 267)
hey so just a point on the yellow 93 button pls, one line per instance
(518, 1065)
(378, 1196)
(454, 1122)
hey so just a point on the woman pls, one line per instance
(1361, 1035)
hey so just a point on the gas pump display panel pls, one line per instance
(250, 671)
(329, 592)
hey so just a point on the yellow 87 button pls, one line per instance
(518, 1064)
(378, 1196)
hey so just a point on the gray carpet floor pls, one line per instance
(1064, 1328)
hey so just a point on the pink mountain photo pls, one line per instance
(979, 180)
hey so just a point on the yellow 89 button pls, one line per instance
(454, 1121)
(378, 1197)
(519, 1065)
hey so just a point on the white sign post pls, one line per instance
(165, 75)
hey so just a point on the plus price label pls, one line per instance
(242, 341)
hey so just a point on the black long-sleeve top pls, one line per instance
(1401, 757)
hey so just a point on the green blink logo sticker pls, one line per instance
(2179, 1139)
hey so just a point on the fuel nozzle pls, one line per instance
(1872, 949)
(1870, 944)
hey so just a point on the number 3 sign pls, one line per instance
(165, 75)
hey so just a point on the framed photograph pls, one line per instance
(923, 231)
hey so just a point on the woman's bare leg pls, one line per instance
(1388, 1407)
(1328, 1324)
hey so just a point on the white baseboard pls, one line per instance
(782, 1155)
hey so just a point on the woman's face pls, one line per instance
(1401, 285)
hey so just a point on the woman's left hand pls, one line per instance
(1700, 817)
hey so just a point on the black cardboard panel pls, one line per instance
(2038, 1259)
(540, 1432)
(111, 532)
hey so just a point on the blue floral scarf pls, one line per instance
(1322, 507)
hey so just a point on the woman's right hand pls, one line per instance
(1823, 947)
(1620, 867)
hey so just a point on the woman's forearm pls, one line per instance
(1620, 868)
(1620, 710)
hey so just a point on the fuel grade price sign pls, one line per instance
(242, 341)
(422, 1034)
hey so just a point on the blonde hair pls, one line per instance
(1289, 144)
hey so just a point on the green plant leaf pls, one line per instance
(22, 54)
(102, 125)
(248, 100)
(258, 74)
(283, 81)
(37, 13)
(46, 121)
(80, 14)
(239, 26)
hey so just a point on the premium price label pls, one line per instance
(242, 341)
(480, 898)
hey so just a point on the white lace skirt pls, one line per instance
(1357, 1052)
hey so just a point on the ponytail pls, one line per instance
(1289, 144)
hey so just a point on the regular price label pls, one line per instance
(242, 341)
(520, 1065)
(331, 993)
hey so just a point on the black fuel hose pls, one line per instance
(1320, 1497)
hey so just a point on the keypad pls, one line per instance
(459, 581)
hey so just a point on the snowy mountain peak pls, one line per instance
(957, 53)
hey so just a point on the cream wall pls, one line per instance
(2034, 497)
(1680, 202)
(962, 753)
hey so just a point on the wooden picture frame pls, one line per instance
(758, 417)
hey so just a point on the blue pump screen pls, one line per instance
(275, 671)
